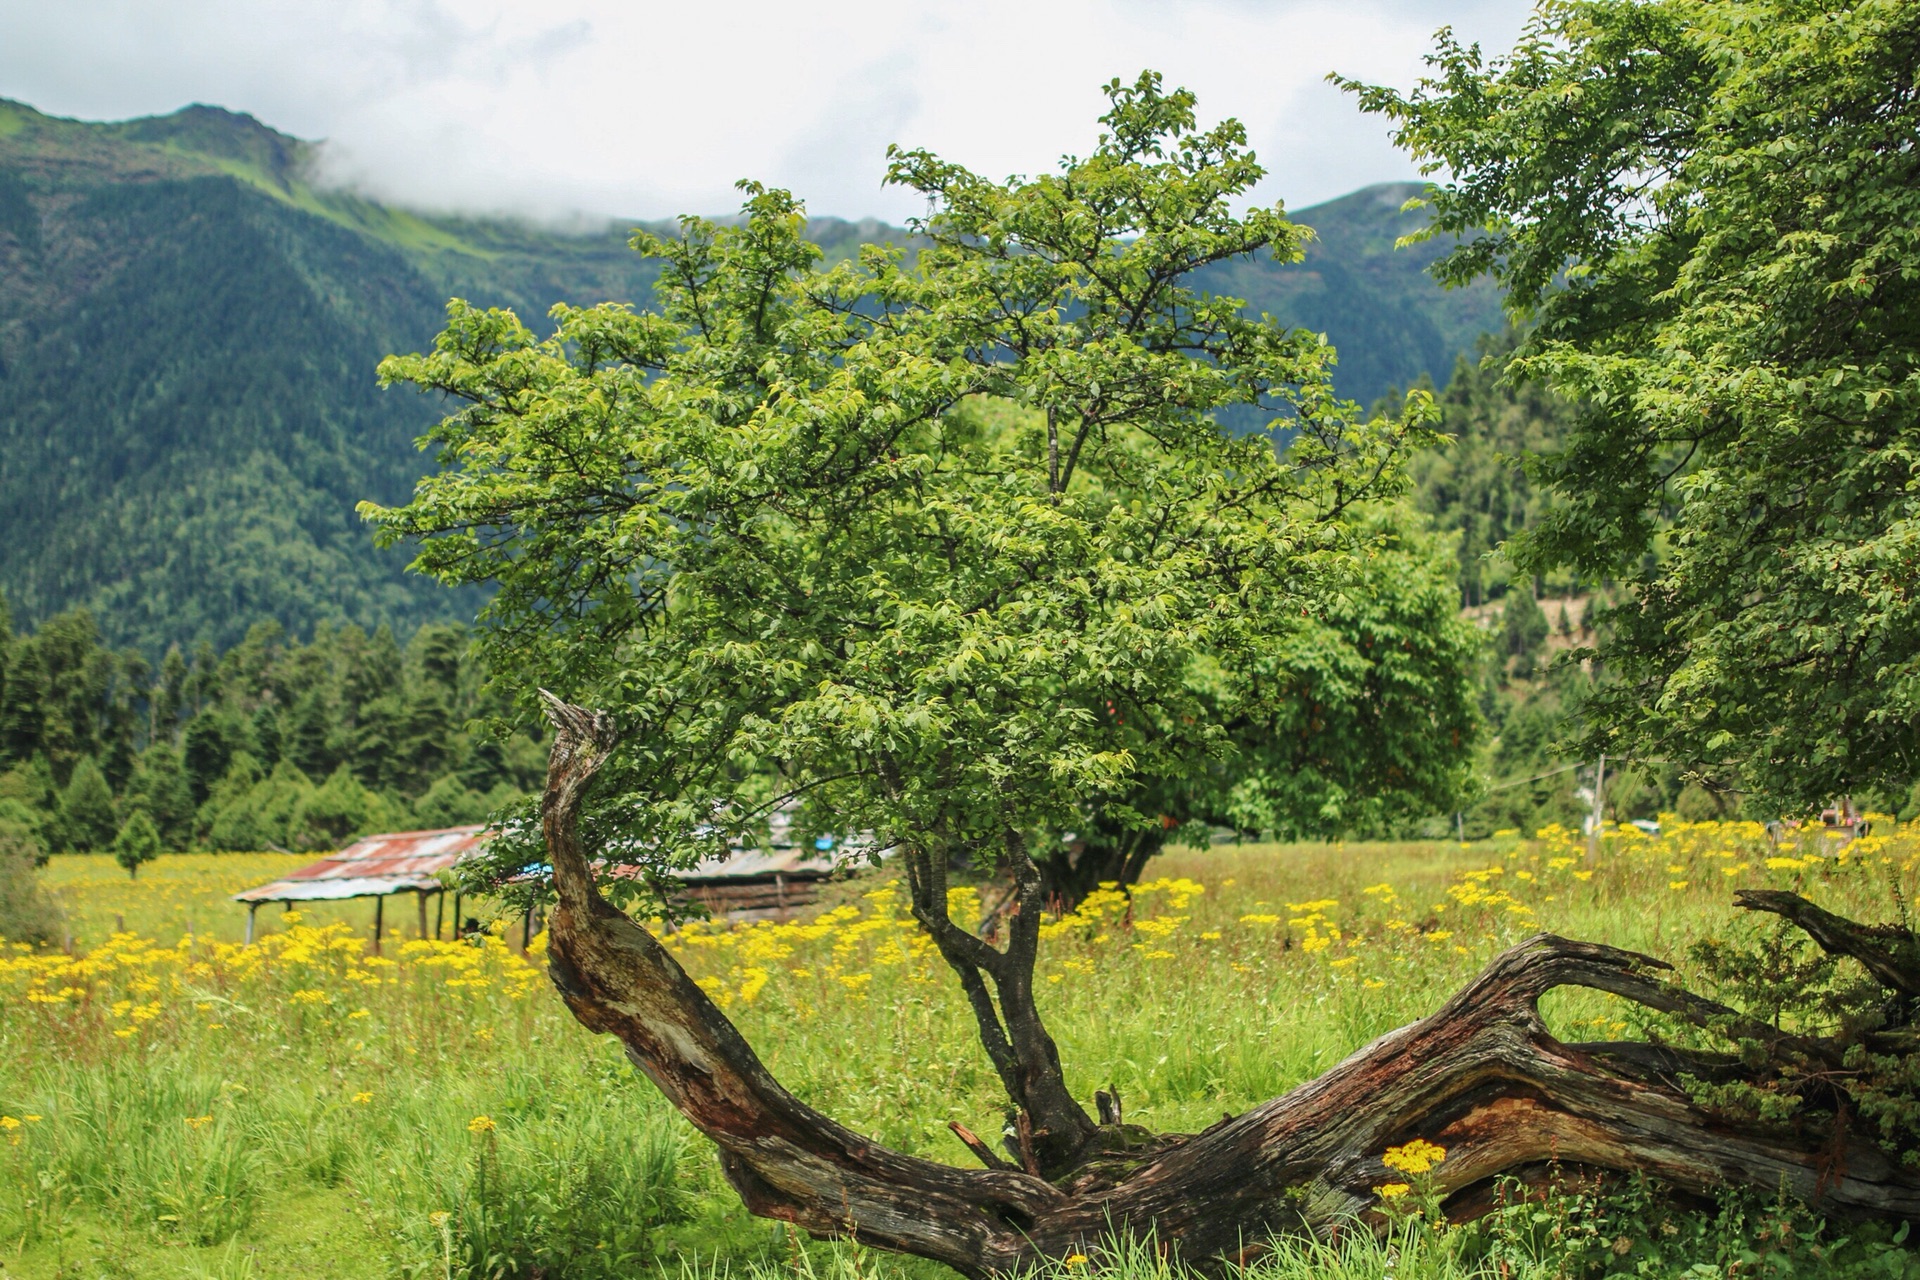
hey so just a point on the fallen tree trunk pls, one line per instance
(1482, 1077)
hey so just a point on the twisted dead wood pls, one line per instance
(1481, 1076)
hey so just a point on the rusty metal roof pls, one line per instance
(397, 862)
(408, 861)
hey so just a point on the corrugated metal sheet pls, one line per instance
(397, 862)
(759, 864)
(407, 861)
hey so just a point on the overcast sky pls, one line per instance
(642, 109)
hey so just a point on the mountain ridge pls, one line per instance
(190, 322)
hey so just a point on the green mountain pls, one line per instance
(189, 325)
(1388, 319)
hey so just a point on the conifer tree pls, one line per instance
(161, 788)
(137, 844)
(86, 809)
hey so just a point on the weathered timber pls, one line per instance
(1481, 1076)
(1889, 952)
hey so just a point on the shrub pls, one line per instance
(21, 831)
(27, 914)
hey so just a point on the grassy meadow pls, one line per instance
(177, 1104)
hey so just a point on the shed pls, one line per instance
(760, 884)
(769, 883)
(376, 867)
(744, 883)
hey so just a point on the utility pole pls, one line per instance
(1598, 815)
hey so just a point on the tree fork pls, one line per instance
(1481, 1076)
(1015, 1038)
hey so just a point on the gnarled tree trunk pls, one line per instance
(1481, 1076)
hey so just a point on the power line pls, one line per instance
(1578, 764)
(1521, 782)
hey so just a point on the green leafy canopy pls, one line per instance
(947, 540)
(1711, 213)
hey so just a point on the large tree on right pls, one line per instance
(1708, 214)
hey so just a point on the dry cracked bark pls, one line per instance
(1482, 1076)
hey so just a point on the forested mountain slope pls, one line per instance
(188, 335)
(189, 328)
(1390, 322)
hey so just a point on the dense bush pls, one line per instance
(26, 913)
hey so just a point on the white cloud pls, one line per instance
(646, 109)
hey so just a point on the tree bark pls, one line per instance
(1047, 1129)
(1102, 856)
(1482, 1077)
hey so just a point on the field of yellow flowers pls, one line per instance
(176, 1103)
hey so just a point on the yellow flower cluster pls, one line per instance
(131, 989)
(1414, 1158)
(735, 962)
(1473, 889)
(178, 893)
(1691, 853)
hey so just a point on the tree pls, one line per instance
(259, 813)
(138, 842)
(209, 746)
(947, 547)
(940, 545)
(1356, 717)
(160, 787)
(447, 803)
(1367, 719)
(1523, 627)
(169, 694)
(331, 815)
(1475, 485)
(1710, 216)
(87, 819)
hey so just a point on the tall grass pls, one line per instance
(301, 1107)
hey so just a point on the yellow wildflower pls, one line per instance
(1416, 1157)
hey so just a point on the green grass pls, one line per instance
(299, 1108)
